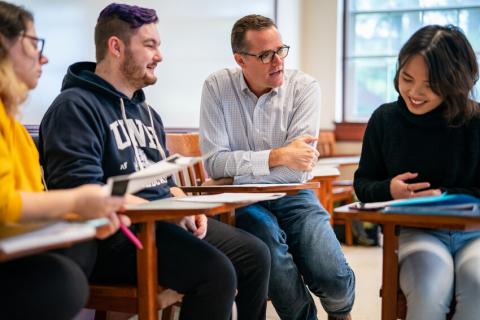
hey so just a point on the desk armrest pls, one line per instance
(287, 188)
(343, 183)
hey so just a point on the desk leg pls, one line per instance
(390, 272)
(321, 192)
(328, 195)
(147, 277)
(228, 217)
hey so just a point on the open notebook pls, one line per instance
(134, 182)
(18, 238)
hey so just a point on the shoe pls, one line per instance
(364, 241)
(345, 317)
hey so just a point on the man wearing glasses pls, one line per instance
(258, 124)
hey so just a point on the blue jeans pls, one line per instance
(304, 251)
(435, 264)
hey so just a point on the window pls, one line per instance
(375, 30)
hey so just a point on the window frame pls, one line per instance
(352, 130)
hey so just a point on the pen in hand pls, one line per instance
(129, 234)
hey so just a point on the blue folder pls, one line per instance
(445, 204)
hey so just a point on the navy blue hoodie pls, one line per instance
(84, 139)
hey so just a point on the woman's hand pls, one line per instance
(115, 221)
(400, 189)
(92, 201)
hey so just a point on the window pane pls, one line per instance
(368, 5)
(382, 4)
(370, 83)
(372, 33)
(476, 89)
(407, 24)
(468, 21)
(441, 17)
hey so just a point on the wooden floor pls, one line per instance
(366, 262)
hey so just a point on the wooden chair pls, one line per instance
(188, 145)
(342, 190)
(109, 299)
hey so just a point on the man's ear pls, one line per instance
(115, 46)
(239, 59)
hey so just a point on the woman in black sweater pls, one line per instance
(426, 143)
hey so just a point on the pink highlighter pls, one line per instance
(131, 236)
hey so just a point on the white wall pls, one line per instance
(290, 26)
(195, 42)
(322, 52)
(195, 37)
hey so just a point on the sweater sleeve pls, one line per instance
(371, 180)
(10, 200)
(474, 191)
(71, 143)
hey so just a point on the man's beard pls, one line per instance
(135, 73)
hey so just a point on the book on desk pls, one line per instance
(444, 204)
(136, 181)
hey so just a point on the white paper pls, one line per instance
(233, 197)
(322, 171)
(375, 205)
(47, 235)
(338, 161)
(257, 185)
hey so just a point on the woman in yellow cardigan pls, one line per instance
(49, 285)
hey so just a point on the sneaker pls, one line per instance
(364, 241)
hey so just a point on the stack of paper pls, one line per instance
(233, 197)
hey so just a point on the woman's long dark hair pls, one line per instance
(452, 68)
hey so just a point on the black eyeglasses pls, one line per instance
(39, 44)
(267, 56)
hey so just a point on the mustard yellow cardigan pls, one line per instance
(19, 166)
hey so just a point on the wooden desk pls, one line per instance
(339, 161)
(391, 223)
(288, 188)
(146, 215)
(325, 175)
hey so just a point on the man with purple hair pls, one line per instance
(108, 130)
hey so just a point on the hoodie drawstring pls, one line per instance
(132, 135)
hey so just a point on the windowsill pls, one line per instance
(350, 131)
